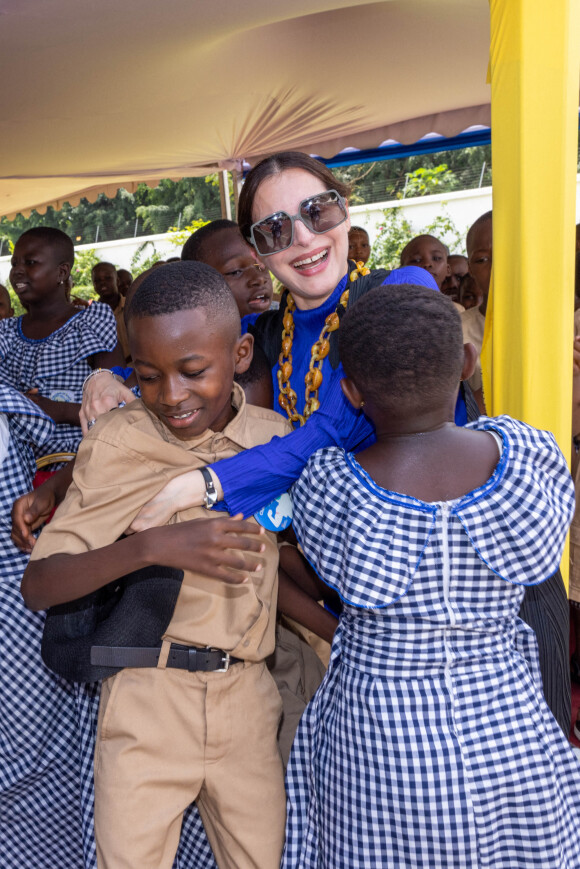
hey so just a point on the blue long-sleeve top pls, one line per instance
(257, 476)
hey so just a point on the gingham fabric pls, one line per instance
(39, 766)
(57, 365)
(429, 742)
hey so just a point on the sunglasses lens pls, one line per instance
(324, 212)
(273, 234)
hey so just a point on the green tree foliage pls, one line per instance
(390, 179)
(395, 232)
(179, 236)
(140, 262)
(81, 273)
(147, 211)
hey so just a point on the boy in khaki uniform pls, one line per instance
(176, 725)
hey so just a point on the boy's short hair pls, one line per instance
(56, 239)
(181, 287)
(423, 235)
(192, 247)
(358, 229)
(403, 345)
(103, 263)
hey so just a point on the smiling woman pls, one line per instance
(295, 213)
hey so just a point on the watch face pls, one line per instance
(209, 499)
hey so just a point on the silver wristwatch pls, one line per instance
(211, 496)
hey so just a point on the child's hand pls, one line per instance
(179, 494)
(29, 512)
(102, 393)
(219, 548)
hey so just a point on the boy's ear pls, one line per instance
(469, 360)
(352, 392)
(64, 272)
(244, 352)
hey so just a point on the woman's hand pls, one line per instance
(179, 494)
(102, 393)
(222, 549)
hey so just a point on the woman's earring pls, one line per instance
(362, 404)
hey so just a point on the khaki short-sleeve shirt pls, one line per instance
(124, 461)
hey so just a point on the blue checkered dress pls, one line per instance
(57, 365)
(429, 742)
(40, 823)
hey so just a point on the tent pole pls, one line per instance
(237, 179)
(225, 194)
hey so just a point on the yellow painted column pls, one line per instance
(527, 354)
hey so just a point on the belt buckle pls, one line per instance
(226, 662)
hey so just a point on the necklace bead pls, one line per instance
(313, 379)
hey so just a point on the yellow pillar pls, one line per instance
(527, 355)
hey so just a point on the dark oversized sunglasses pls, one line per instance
(319, 213)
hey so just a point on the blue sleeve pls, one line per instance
(257, 476)
(249, 320)
(122, 372)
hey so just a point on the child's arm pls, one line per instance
(108, 358)
(299, 592)
(69, 411)
(31, 510)
(58, 411)
(212, 547)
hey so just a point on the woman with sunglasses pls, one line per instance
(294, 212)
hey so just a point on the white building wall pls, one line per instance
(463, 207)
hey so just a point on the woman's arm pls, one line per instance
(255, 477)
(213, 547)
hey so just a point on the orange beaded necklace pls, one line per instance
(320, 349)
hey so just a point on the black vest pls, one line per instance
(267, 330)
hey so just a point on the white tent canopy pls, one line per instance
(103, 94)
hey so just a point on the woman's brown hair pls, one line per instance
(275, 165)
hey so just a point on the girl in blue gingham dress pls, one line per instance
(40, 824)
(47, 353)
(429, 742)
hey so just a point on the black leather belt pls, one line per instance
(181, 657)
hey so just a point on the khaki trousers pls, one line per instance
(168, 737)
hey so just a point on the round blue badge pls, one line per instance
(277, 515)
